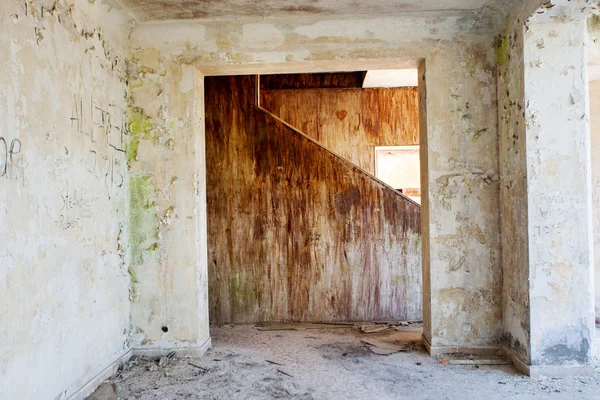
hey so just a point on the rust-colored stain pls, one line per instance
(350, 122)
(341, 114)
(295, 233)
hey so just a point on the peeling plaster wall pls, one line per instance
(464, 249)
(545, 194)
(63, 281)
(167, 212)
(462, 267)
(513, 188)
(309, 44)
(595, 154)
(558, 150)
(593, 55)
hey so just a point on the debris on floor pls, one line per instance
(106, 391)
(475, 362)
(381, 347)
(280, 326)
(374, 328)
(246, 363)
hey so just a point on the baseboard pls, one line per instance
(550, 371)
(184, 351)
(560, 371)
(516, 361)
(475, 350)
(94, 383)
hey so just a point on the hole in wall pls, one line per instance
(165, 329)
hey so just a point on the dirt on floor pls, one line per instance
(331, 363)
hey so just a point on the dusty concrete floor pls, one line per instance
(246, 363)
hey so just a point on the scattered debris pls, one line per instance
(152, 367)
(202, 369)
(106, 391)
(163, 361)
(171, 354)
(284, 373)
(302, 326)
(273, 362)
(476, 362)
(374, 328)
(383, 348)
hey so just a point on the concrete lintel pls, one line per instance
(187, 351)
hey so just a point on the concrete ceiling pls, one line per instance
(158, 10)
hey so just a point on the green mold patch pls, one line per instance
(502, 45)
(143, 220)
(140, 127)
(242, 295)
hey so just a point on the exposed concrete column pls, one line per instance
(460, 226)
(593, 56)
(561, 317)
(167, 230)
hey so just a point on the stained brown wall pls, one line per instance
(351, 122)
(296, 233)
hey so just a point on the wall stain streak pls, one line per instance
(351, 122)
(296, 233)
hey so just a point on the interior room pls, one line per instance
(283, 199)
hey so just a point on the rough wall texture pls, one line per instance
(513, 189)
(546, 229)
(595, 152)
(296, 233)
(593, 54)
(351, 122)
(63, 281)
(167, 213)
(559, 228)
(462, 269)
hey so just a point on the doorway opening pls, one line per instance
(301, 228)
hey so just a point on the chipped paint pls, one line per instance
(143, 220)
(63, 192)
(167, 213)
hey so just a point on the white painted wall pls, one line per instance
(64, 307)
(559, 193)
(399, 167)
(168, 243)
(595, 154)
(593, 56)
